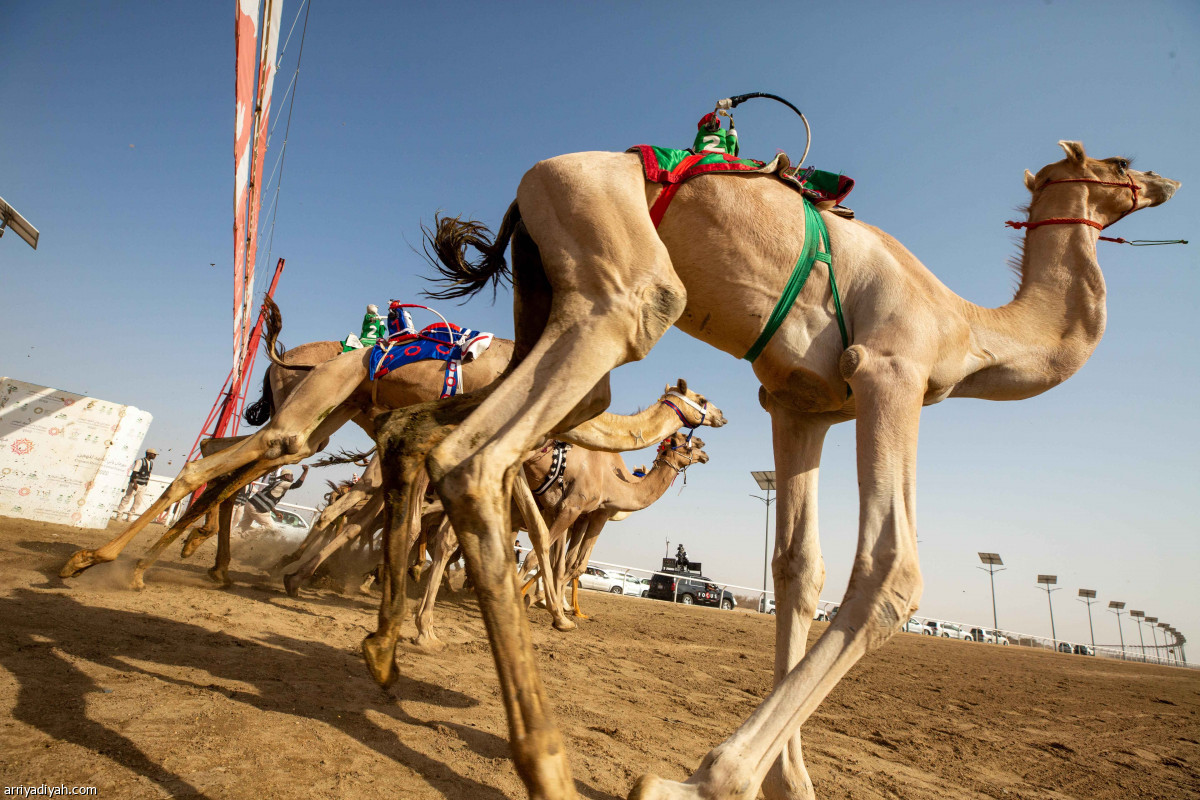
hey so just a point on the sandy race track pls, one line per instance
(185, 690)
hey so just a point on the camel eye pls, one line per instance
(1122, 164)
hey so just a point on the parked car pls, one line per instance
(636, 587)
(767, 605)
(830, 613)
(912, 626)
(1083, 650)
(985, 636)
(1064, 647)
(689, 589)
(601, 580)
(946, 630)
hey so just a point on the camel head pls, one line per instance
(1112, 188)
(680, 452)
(695, 409)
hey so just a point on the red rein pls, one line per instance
(1131, 186)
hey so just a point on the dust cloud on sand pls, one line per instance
(187, 690)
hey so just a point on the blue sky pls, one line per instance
(116, 134)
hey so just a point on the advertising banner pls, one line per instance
(64, 457)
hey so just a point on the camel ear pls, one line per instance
(681, 386)
(1074, 151)
(668, 389)
(1030, 181)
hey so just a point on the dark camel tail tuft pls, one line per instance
(445, 248)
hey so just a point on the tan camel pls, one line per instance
(716, 267)
(594, 487)
(678, 407)
(332, 393)
(600, 487)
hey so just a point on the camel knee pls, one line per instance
(893, 599)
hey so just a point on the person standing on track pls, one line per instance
(139, 476)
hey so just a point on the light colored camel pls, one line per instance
(678, 407)
(333, 392)
(600, 487)
(715, 267)
(595, 487)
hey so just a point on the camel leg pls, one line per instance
(231, 483)
(443, 544)
(884, 588)
(312, 407)
(403, 493)
(367, 485)
(798, 571)
(541, 538)
(214, 495)
(578, 560)
(360, 522)
(200, 534)
(220, 569)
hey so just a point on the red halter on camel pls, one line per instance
(1131, 186)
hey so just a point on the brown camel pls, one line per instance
(333, 392)
(596, 285)
(677, 407)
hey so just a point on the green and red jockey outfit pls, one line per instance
(712, 138)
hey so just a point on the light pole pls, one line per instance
(1089, 596)
(1167, 647)
(992, 560)
(1152, 621)
(1115, 607)
(766, 482)
(1045, 582)
(1138, 615)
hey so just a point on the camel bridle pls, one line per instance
(703, 409)
(1134, 190)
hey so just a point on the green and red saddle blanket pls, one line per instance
(672, 167)
(441, 341)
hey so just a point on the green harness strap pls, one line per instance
(813, 224)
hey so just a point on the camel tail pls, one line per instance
(446, 246)
(273, 321)
(258, 412)
(358, 459)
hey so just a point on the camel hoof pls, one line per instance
(191, 545)
(220, 577)
(381, 660)
(81, 560)
(415, 572)
(564, 625)
(136, 583)
(291, 584)
(428, 643)
(652, 787)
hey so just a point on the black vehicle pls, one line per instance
(690, 588)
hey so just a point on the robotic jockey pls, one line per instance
(712, 138)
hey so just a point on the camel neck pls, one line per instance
(640, 493)
(1053, 324)
(614, 433)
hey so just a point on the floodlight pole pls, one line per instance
(1138, 616)
(766, 531)
(1053, 633)
(1154, 637)
(1089, 599)
(991, 571)
(1118, 612)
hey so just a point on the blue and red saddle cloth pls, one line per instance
(441, 341)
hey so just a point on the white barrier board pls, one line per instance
(64, 457)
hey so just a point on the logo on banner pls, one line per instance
(22, 447)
